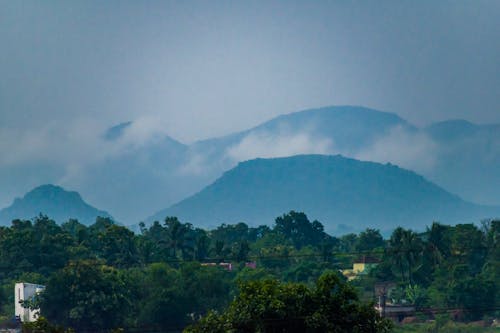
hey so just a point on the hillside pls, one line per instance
(53, 201)
(344, 194)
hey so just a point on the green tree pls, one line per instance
(163, 302)
(271, 306)
(468, 246)
(296, 227)
(240, 251)
(405, 249)
(204, 287)
(369, 240)
(491, 268)
(118, 246)
(347, 243)
(202, 245)
(86, 295)
(179, 237)
(43, 325)
(219, 251)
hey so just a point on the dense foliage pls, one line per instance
(171, 274)
(270, 306)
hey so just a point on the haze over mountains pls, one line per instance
(466, 159)
(141, 178)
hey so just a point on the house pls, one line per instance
(251, 264)
(26, 292)
(360, 266)
(396, 312)
(229, 266)
(226, 265)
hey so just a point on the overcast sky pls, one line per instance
(200, 69)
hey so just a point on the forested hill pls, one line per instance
(54, 201)
(344, 194)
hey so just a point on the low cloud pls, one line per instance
(261, 144)
(407, 149)
(50, 143)
(197, 164)
(73, 146)
(143, 131)
(267, 145)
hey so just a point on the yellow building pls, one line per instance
(360, 266)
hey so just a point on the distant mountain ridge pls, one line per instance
(53, 201)
(346, 128)
(138, 178)
(115, 132)
(343, 193)
(348, 125)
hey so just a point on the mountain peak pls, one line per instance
(115, 132)
(53, 201)
(50, 189)
(353, 110)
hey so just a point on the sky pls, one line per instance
(200, 69)
(69, 70)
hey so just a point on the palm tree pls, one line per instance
(202, 246)
(178, 237)
(437, 242)
(396, 250)
(219, 250)
(412, 245)
(405, 248)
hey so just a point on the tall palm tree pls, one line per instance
(178, 237)
(396, 250)
(219, 250)
(412, 245)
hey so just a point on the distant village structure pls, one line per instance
(360, 266)
(229, 266)
(396, 312)
(26, 292)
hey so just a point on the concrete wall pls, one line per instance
(25, 291)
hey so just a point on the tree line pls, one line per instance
(172, 275)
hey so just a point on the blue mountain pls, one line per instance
(340, 192)
(53, 201)
(139, 178)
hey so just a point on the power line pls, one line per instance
(313, 255)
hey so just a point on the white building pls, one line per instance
(23, 292)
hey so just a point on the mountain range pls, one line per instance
(459, 156)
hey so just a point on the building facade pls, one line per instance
(26, 292)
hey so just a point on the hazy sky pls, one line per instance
(199, 69)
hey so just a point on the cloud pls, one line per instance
(73, 145)
(142, 131)
(267, 145)
(51, 142)
(282, 141)
(196, 164)
(408, 149)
